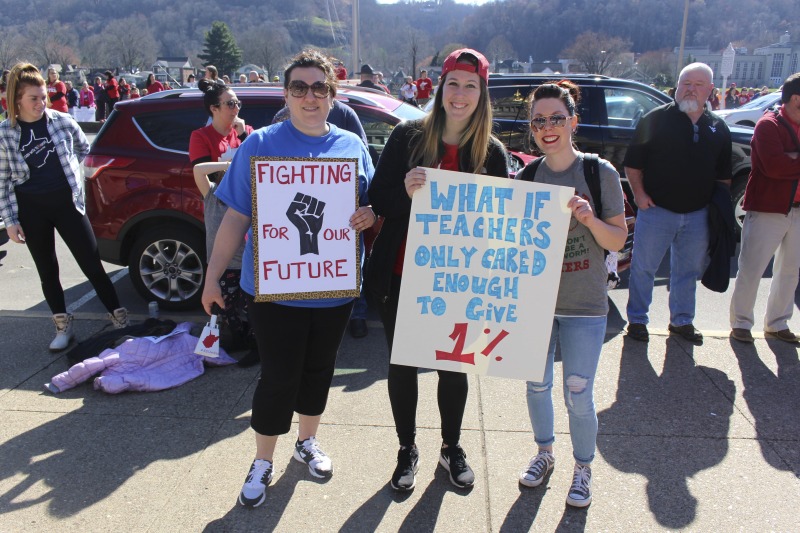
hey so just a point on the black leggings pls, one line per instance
(39, 215)
(298, 347)
(403, 391)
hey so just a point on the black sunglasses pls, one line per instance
(299, 89)
(231, 104)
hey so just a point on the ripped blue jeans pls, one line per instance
(581, 340)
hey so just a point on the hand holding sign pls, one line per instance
(306, 213)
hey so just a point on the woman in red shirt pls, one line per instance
(112, 92)
(56, 91)
(153, 85)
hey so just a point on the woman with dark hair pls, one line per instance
(153, 85)
(112, 92)
(56, 91)
(457, 136)
(40, 193)
(297, 339)
(579, 324)
(211, 73)
(211, 149)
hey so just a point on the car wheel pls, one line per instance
(168, 266)
(737, 195)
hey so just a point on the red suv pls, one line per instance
(141, 198)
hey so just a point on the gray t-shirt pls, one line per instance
(213, 211)
(584, 274)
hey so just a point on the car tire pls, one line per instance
(167, 265)
(737, 196)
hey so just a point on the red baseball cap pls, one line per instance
(451, 63)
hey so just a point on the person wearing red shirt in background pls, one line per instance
(341, 71)
(124, 89)
(772, 223)
(134, 92)
(3, 84)
(153, 85)
(112, 91)
(86, 95)
(424, 88)
(56, 91)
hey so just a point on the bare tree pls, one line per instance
(266, 46)
(131, 42)
(10, 48)
(417, 41)
(50, 43)
(656, 62)
(500, 48)
(596, 52)
(95, 53)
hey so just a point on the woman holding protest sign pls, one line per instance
(456, 135)
(579, 324)
(297, 339)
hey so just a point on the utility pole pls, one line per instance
(356, 51)
(683, 39)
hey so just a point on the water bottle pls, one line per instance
(152, 309)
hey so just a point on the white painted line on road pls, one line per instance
(91, 294)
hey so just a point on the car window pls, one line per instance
(377, 130)
(170, 129)
(409, 112)
(624, 107)
(762, 102)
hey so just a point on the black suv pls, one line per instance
(609, 111)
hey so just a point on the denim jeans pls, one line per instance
(581, 340)
(685, 235)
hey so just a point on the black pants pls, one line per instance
(41, 214)
(403, 391)
(298, 347)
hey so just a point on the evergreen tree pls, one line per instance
(220, 49)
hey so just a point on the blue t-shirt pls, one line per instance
(284, 140)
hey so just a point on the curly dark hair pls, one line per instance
(212, 89)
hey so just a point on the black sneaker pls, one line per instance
(405, 474)
(638, 332)
(454, 460)
(580, 493)
(255, 486)
(688, 332)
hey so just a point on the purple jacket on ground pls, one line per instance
(143, 364)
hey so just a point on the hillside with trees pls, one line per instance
(130, 34)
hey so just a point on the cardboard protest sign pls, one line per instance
(303, 245)
(481, 274)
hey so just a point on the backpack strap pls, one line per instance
(591, 173)
(529, 175)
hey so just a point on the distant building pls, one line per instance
(172, 69)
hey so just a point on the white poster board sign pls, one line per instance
(303, 245)
(481, 274)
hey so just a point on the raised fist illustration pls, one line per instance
(306, 213)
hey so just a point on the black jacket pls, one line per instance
(387, 194)
(721, 241)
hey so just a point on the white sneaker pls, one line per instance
(254, 490)
(119, 318)
(308, 452)
(580, 493)
(538, 468)
(64, 332)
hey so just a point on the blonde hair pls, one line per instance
(22, 75)
(428, 151)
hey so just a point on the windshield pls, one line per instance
(408, 112)
(762, 101)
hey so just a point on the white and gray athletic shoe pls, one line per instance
(308, 452)
(255, 486)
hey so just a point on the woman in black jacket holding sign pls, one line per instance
(456, 136)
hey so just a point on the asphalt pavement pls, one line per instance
(692, 438)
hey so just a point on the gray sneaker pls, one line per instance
(537, 470)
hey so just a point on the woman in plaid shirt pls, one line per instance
(42, 190)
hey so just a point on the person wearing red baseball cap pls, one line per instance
(456, 135)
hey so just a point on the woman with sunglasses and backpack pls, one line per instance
(297, 340)
(211, 149)
(579, 324)
(456, 136)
